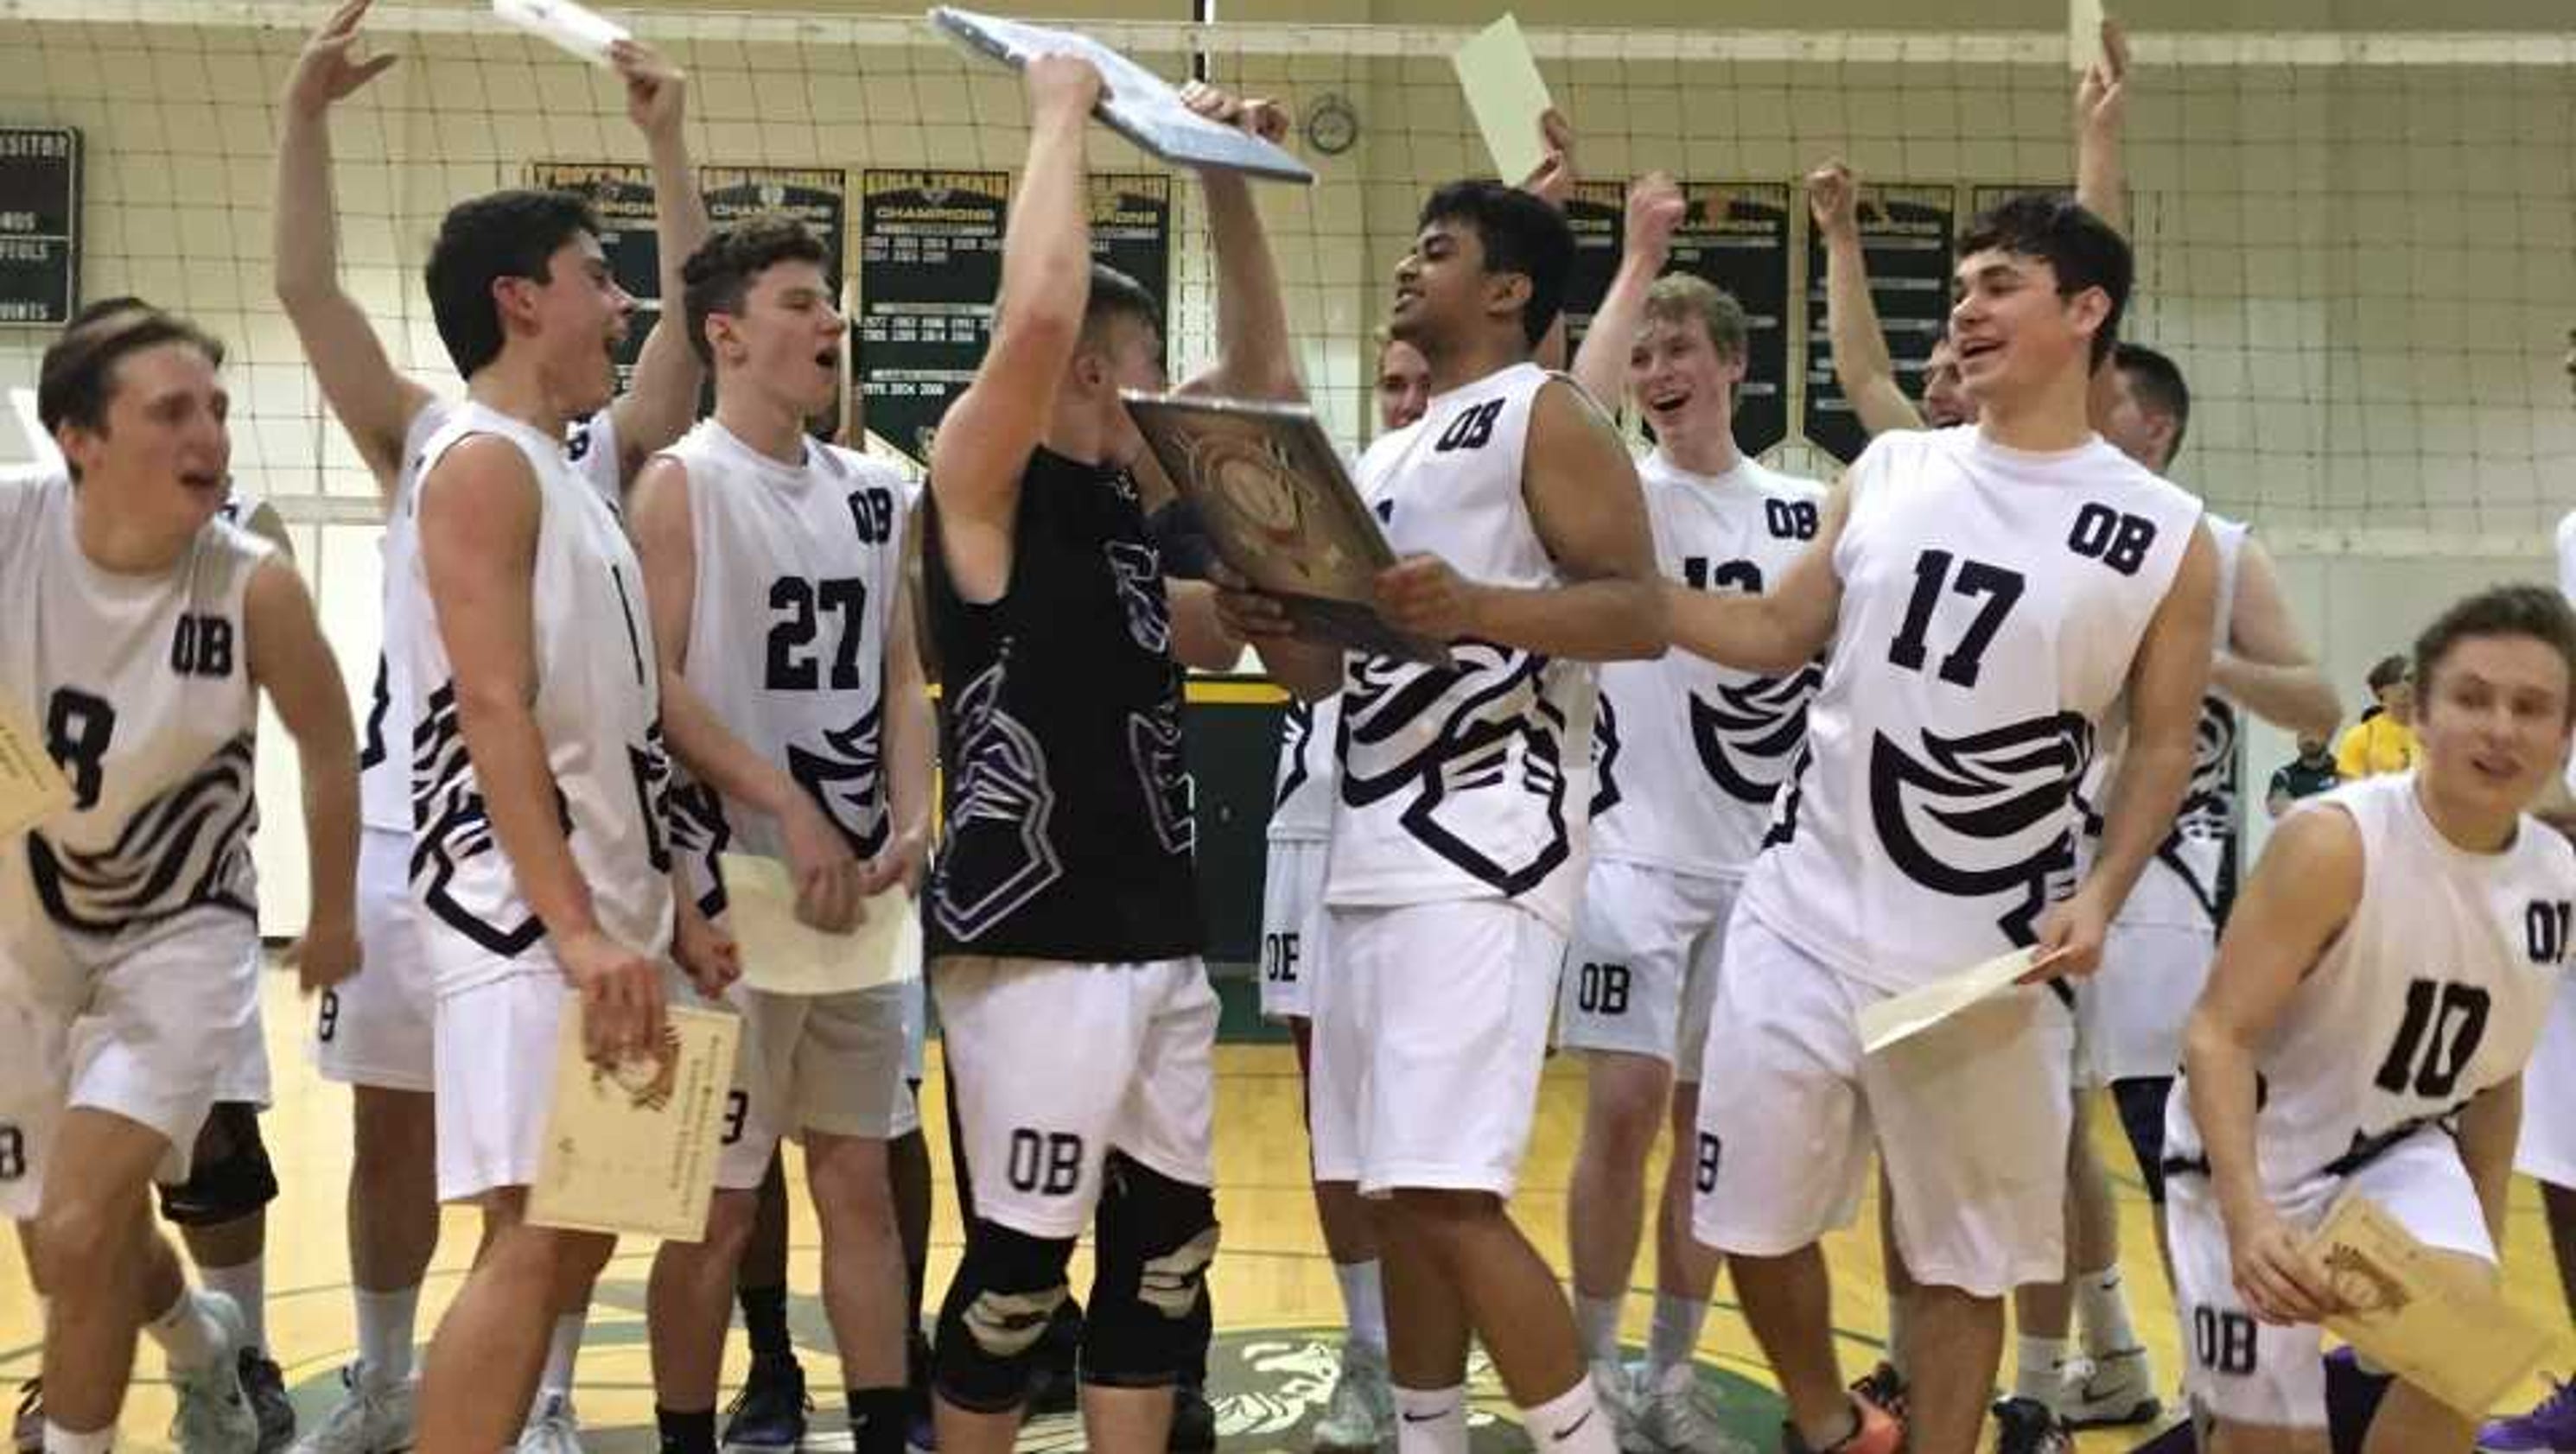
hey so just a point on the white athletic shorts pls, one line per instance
(1429, 1037)
(1970, 1119)
(1641, 975)
(827, 1063)
(1292, 899)
(495, 1077)
(1055, 1065)
(376, 1029)
(2132, 1011)
(2548, 1148)
(2245, 1372)
(244, 1077)
(150, 1035)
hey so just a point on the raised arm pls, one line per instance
(1553, 182)
(1586, 506)
(1862, 364)
(1775, 631)
(1254, 358)
(2299, 897)
(290, 661)
(2265, 665)
(479, 515)
(2167, 679)
(984, 440)
(664, 399)
(2101, 108)
(826, 872)
(1655, 209)
(373, 401)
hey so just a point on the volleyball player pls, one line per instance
(2365, 1029)
(129, 919)
(374, 1033)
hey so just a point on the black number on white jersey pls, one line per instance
(78, 731)
(2437, 1039)
(796, 607)
(2545, 925)
(1727, 575)
(1993, 587)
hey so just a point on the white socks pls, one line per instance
(59, 1440)
(1674, 1335)
(386, 1324)
(187, 1333)
(2039, 1366)
(1363, 1302)
(564, 1348)
(2102, 1311)
(1572, 1422)
(1434, 1420)
(247, 1286)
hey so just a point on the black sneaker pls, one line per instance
(1193, 1421)
(920, 1425)
(1885, 1387)
(2027, 1426)
(770, 1411)
(264, 1384)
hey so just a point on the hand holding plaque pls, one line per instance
(2428, 1319)
(632, 1148)
(1283, 515)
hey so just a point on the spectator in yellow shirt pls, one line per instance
(2383, 740)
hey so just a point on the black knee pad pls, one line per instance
(1149, 1295)
(228, 1174)
(1007, 1288)
(2142, 1115)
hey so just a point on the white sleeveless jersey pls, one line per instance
(1310, 772)
(2433, 992)
(139, 688)
(1992, 603)
(384, 775)
(2567, 588)
(598, 707)
(1468, 782)
(1688, 754)
(798, 571)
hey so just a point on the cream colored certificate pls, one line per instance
(633, 1151)
(784, 956)
(2439, 1326)
(1507, 95)
(581, 31)
(32, 789)
(1899, 1016)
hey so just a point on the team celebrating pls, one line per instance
(1718, 759)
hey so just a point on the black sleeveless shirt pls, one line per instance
(1066, 799)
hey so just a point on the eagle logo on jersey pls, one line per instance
(451, 829)
(998, 856)
(1296, 734)
(2201, 849)
(1154, 746)
(186, 849)
(1985, 814)
(699, 834)
(1450, 736)
(1138, 569)
(1605, 758)
(1748, 733)
(847, 778)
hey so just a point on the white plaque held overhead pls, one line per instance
(584, 32)
(1135, 103)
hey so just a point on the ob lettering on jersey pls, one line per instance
(1602, 989)
(2117, 540)
(202, 646)
(872, 511)
(1045, 1163)
(1279, 957)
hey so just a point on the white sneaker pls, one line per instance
(1360, 1414)
(372, 1419)
(2108, 1389)
(1675, 1417)
(214, 1414)
(552, 1429)
(1614, 1391)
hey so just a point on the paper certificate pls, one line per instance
(2439, 1326)
(583, 32)
(1507, 95)
(1136, 103)
(32, 789)
(634, 1150)
(784, 956)
(1900, 1016)
(1282, 513)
